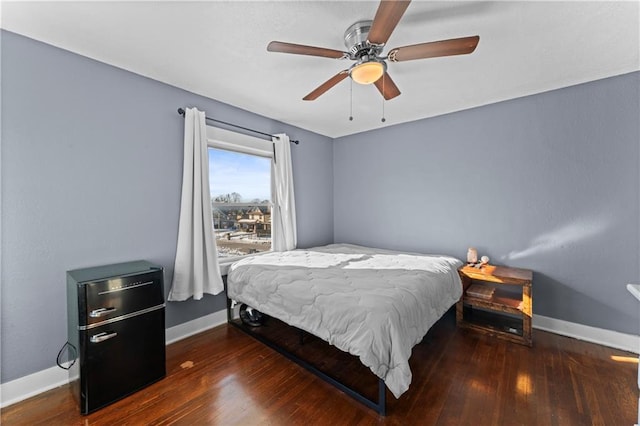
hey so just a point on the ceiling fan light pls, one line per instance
(367, 72)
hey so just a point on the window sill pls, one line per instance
(224, 267)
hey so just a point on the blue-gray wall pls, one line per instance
(547, 182)
(91, 174)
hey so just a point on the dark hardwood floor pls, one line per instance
(223, 376)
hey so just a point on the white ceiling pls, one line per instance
(218, 49)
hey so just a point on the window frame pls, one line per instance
(237, 142)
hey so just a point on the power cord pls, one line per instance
(75, 356)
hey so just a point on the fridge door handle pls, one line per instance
(101, 337)
(97, 313)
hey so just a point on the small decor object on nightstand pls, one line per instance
(472, 256)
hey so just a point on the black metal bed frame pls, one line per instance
(379, 406)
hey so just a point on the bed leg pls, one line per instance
(229, 310)
(382, 398)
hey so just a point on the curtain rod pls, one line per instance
(181, 112)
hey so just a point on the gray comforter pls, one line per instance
(375, 304)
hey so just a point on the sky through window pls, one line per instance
(248, 175)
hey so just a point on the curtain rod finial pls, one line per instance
(181, 111)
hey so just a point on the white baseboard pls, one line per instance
(198, 325)
(41, 381)
(31, 385)
(609, 338)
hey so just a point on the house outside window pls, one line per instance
(240, 185)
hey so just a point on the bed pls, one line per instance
(374, 304)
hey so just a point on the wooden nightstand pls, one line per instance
(505, 310)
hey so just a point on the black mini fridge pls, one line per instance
(116, 324)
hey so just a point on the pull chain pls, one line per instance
(351, 100)
(383, 99)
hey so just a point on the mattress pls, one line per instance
(375, 304)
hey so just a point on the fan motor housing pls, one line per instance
(355, 39)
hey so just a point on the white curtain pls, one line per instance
(283, 216)
(196, 270)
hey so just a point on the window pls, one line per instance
(240, 185)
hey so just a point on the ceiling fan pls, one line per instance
(365, 41)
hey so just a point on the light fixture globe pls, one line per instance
(367, 71)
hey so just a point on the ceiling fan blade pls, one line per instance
(387, 17)
(299, 49)
(327, 85)
(387, 87)
(454, 46)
